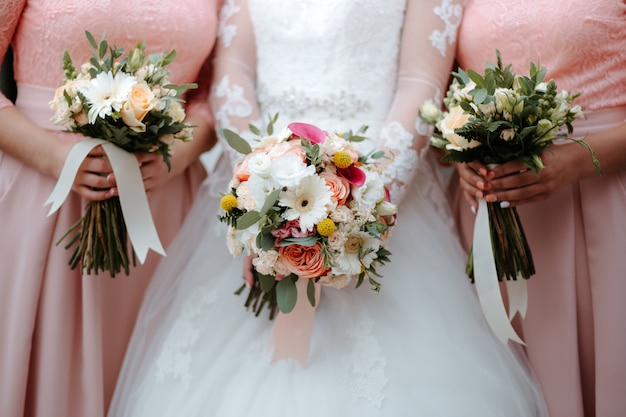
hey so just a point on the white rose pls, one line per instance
(371, 192)
(260, 164)
(289, 169)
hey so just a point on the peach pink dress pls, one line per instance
(576, 317)
(63, 335)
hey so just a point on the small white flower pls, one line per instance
(265, 262)
(359, 251)
(507, 134)
(107, 93)
(306, 202)
(260, 188)
(235, 247)
(430, 113)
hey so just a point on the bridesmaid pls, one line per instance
(63, 334)
(573, 218)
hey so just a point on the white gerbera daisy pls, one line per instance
(359, 251)
(306, 202)
(106, 93)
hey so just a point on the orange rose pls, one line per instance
(339, 186)
(304, 261)
(241, 169)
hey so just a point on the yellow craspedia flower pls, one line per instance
(326, 227)
(228, 202)
(342, 159)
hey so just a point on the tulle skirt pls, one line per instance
(420, 347)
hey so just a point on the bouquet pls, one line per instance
(310, 207)
(126, 103)
(494, 118)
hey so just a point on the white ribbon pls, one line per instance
(132, 194)
(487, 286)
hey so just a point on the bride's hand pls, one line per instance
(248, 275)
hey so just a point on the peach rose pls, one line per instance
(339, 187)
(456, 118)
(140, 102)
(241, 169)
(304, 261)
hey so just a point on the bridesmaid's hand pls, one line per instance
(473, 182)
(154, 172)
(92, 180)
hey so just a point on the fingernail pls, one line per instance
(473, 209)
(505, 204)
(482, 171)
(109, 178)
(480, 185)
(491, 198)
(479, 194)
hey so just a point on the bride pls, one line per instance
(420, 347)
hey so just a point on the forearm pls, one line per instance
(29, 143)
(610, 149)
(186, 153)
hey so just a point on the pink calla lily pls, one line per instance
(354, 175)
(304, 130)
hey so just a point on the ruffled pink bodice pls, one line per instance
(40, 30)
(591, 43)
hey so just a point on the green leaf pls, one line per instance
(270, 201)
(266, 281)
(91, 39)
(310, 292)
(302, 241)
(476, 77)
(248, 219)
(235, 141)
(480, 95)
(265, 241)
(286, 293)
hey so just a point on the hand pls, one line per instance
(515, 184)
(248, 275)
(91, 180)
(154, 172)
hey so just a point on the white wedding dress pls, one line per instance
(421, 346)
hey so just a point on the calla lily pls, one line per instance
(353, 174)
(308, 131)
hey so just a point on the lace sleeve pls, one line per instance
(234, 93)
(426, 58)
(10, 10)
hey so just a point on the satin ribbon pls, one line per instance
(291, 334)
(487, 285)
(132, 194)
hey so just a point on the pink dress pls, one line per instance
(576, 321)
(63, 335)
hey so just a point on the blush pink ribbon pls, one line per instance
(291, 334)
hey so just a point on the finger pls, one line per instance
(516, 180)
(508, 168)
(517, 195)
(96, 165)
(91, 180)
(92, 194)
(248, 275)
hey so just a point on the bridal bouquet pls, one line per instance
(310, 207)
(128, 104)
(494, 118)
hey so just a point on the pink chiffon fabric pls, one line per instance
(63, 334)
(575, 324)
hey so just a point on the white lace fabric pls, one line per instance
(346, 77)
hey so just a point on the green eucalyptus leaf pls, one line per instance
(248, 219)
(271, 199)
(267, 282)
(310, 292)
(235, 141)
(286, 293)
(302, 241)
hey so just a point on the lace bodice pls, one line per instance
(337, 64)
(584, 52)
(39, 31)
